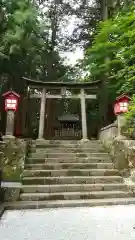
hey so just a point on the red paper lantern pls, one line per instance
(11, 100)
(121, 104)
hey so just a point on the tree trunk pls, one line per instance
(126, 4)
(50, 120)
(51, 74)
(118, 6)
(104, 87)
(104, 9)
(54, 28)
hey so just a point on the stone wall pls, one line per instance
(109, 132)
(12, 157)
(121, 151)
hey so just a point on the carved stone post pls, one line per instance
(120, 123)
(42, 115)
(10, 123)
(11, 105)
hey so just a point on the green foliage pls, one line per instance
(20, 22)
(129, 127)
(113, 53)
(28, 44)
(19, 42)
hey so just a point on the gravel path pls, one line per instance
(99, 223)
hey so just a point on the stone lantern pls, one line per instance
(11, 100)
(121, 107)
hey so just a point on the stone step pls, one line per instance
(71, 180)
(67, 155)
(99, 159)
(64, 142)
(72, 188)
(51, 146)
(68, 203)
(66, 150)
(72, 165)
(73, 195)
(70, 172)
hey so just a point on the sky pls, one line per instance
(70, 24)
(72, 57)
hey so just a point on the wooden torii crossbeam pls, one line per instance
(59, 96)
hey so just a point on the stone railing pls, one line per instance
(109, 133)
(122, 152)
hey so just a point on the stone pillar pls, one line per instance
(83, 113)
(42, 115)
(120, 122)
(10, 123)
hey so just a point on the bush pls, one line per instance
(129, 128)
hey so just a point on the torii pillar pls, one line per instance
(83, 114)
(42, 115)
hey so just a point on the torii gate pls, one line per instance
(62, 86)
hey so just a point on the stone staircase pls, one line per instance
(69, 174)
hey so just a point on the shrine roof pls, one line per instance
(36, 83)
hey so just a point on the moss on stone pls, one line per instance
(12, 157)
(122, 153)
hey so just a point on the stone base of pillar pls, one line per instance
(8, 137)
(84, 140)
(121, 137)
(133, 175)
(40, 140)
